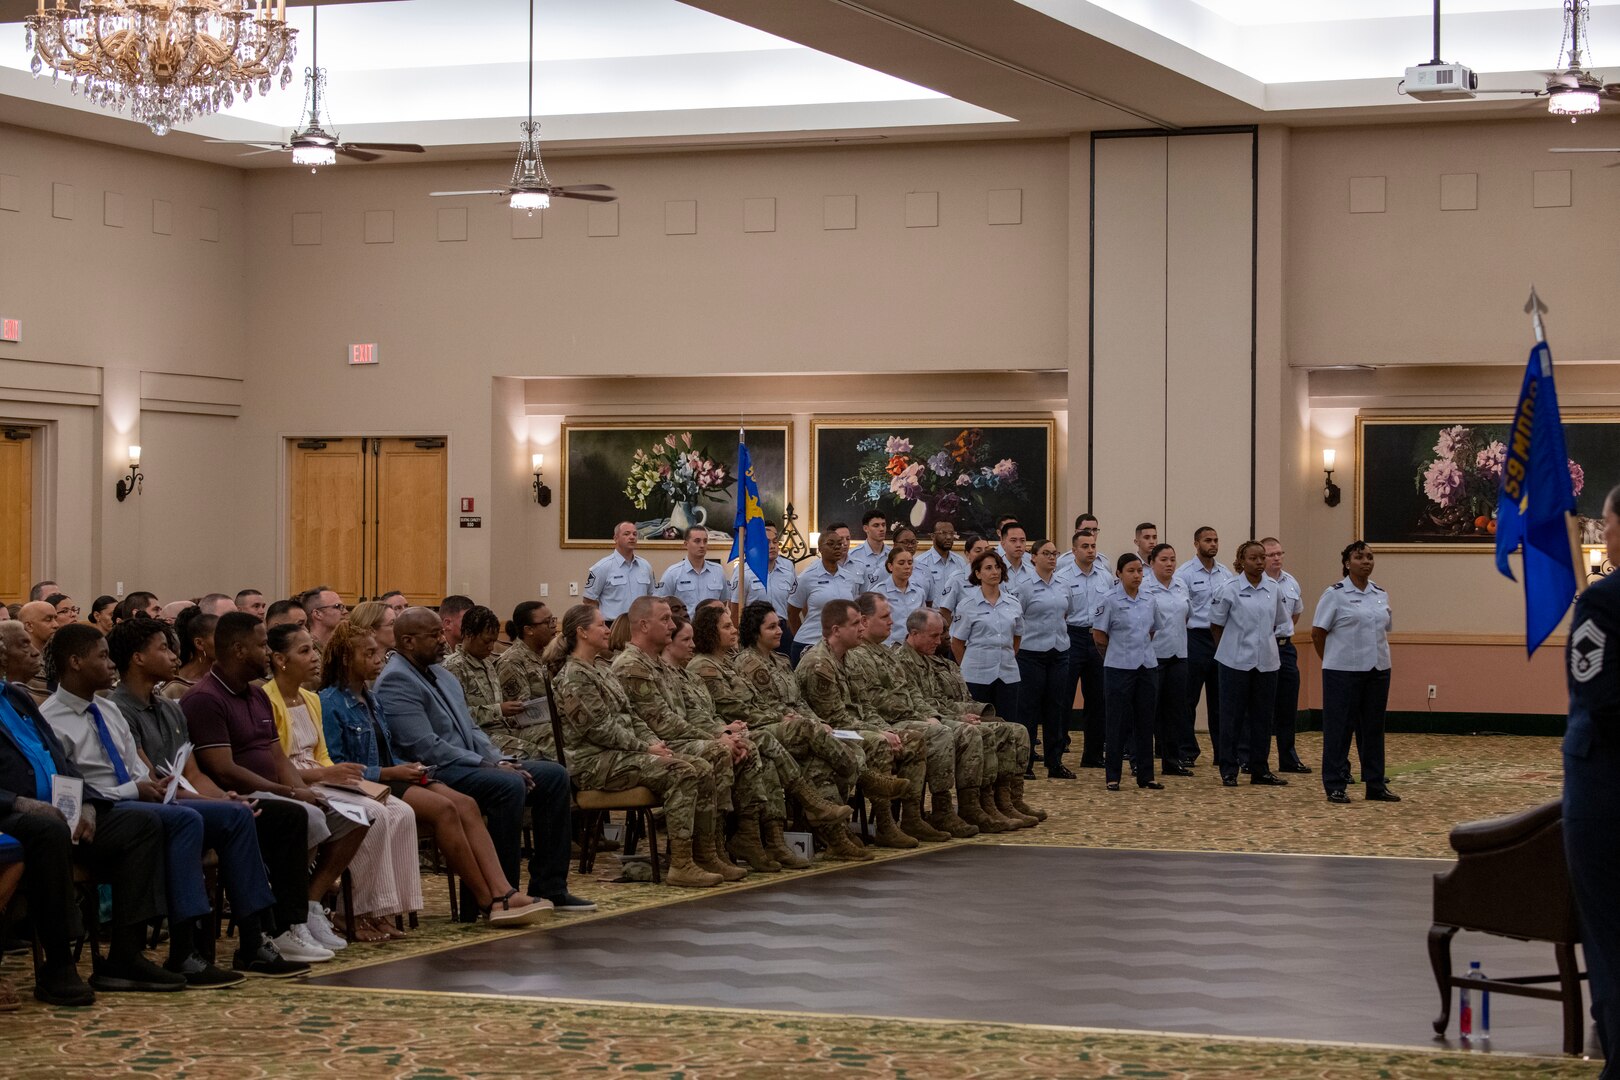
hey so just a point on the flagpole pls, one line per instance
(742, 539)
(1535, 307)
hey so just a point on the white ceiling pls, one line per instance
(452, 74)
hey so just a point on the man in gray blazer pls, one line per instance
(428, 718)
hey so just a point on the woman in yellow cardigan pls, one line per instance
(386, 871)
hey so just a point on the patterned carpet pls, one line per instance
(289, 1030)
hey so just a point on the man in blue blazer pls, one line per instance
(429, 721)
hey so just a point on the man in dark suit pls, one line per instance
(427, 713)
(121, 849)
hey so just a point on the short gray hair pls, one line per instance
(920, 620)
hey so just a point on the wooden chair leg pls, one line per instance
(632, 831)
(1569, 982)
(1440, 960)
(412, 920)
(587, 841)
(347, 884)
(652, 845)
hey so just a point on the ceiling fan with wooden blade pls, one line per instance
(530, 188)
(311, 143)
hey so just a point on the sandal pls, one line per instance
(501, 913)
(366, 931)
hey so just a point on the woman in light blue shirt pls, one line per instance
(1123, 629)
(1243, 617)
(1043, 658)
(904, 592)
(984, 635)
(1173, 727)
(1351, 633)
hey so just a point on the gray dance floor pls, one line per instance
(1294, 947)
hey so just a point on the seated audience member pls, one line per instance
(195, 631)
(216, 604)
(325, 609)
(379, 619)
(250, 601)
(451, 609)
(101, 612)
(234, 731)
(121, 849)
(386, 870)
(39, 619)
(357, 732)
(619, 636)
(427, 713)
(13, 610)
(395, 601)
(473, 664)
(141, 652)
(66, 610)
(42, 589)
(524, 679)
(99, 743)
(285, 611)
(11, 872)
(171, 611)
(610, 749)
(139, 602)
(677, 608)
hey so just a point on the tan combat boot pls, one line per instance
(987, 802)
(968, 808)
(683, 871)
(944, 818)
(889, 834)
(876, 785)
(1004, 804)
(1017, 783)
(817, 811)
(837, 843)
(746, 845)
(776, 846)
(707, 856)
(912, 822)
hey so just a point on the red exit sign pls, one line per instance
(10, 329)
(363, 354)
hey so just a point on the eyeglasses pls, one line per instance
(328, 607)
(67, 611)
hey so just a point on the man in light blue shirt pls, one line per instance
(1089, 583)
(830, 579)
(694, 579)
(869, 554)
(941, 561)
(1287, 711)
(1087, 521)
(1203, 575)
(782, 577)
(618, 579)
(1013, 547)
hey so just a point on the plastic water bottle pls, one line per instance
(1465, 1008)
(1483, 1024)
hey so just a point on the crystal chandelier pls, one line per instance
(166, 61)
(1574, 92)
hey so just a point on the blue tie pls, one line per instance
(107, 744)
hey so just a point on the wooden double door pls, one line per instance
(17, 497)
(369, 515)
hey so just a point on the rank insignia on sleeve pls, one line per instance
(1586, 652)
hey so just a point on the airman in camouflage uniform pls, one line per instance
(610, 749)
(523, 678)
(481, 685)
(824, 680)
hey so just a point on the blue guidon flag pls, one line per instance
(748, 537)
(1535, 499)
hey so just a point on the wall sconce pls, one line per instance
(542, 494)
(132, 482)
(1330, 491)
(1596, 557)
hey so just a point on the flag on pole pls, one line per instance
(748, 537)
(1536, 498)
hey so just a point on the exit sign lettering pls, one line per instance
(10, 329)
(363, 354)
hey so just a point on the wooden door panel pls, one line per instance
(17, 530)
(326, 535)
(412, 484)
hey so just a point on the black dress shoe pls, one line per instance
(201, 975)
(1295, 766)
(1029, 774)
(59, 984)
(1151, 785)
(1173, 769)
(137, 975)
(1382, 795)
(1059, 773)
(1113, 785)
(1338, 797)
(567, 901)
(1267, 779)
(1229, 781)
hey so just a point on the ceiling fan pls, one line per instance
(312, 144)
(530, 188)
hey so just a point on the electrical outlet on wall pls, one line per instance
(545, 590)
(573, 588)
(120, 590)
(1433, 690)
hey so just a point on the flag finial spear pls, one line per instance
(1535, 308)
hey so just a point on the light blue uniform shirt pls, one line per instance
(988, 630)
(1046, 613)
(693, 586)
(1291, 600)
(776, 590)
(816, 586)
(1357, 623)
(1017, 575)
(1170, 625)
(1066, 562)
(949, 594)
(902, 602)
(939, 568)
(1086, 591)
(862, 560)
(1249, 615)
(1128, 622)
(1202, 585)
(616, 581)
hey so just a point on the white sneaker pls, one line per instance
(296, 944)
(320, 931)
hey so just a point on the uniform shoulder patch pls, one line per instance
(590, 577)
(1336, 585)
(1586, 646)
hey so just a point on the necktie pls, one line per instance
(108, 745)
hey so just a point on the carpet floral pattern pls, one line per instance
(268, 1029)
